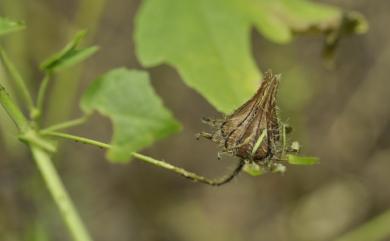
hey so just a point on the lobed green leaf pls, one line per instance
(137, 113)
(208, 41)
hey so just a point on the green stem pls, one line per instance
(50, 175)
(190, 175)
(60, 195)
(187, 174)
(374, 230)
(66, 125)
(77, 139)
(25, 93)
(13, 110)
(41, 96)
(33, 138)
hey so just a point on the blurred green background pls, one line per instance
(340, 114)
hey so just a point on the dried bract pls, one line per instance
(253, 131)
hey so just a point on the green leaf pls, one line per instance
(137, 113)
(301, 160)
(279, 19)
(208, 41)
(70, 55)
(9, 26)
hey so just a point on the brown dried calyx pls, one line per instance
(252, 132)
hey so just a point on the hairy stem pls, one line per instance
(181, 171)
(60, 195)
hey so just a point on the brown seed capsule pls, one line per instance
(252, 132)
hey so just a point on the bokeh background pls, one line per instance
(339, 114)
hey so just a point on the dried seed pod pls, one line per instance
(252, 132)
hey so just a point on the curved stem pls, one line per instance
(60, 195)
(190, 175)
(181, 171)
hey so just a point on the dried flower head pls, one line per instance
(255, 135)
(253, 131)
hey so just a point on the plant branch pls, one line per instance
(181, 171)
(60, 195)
(67, 124)
(45, 166)
(41, 96)
(77, 139)
(25, 93)
(190, 175)
(13, 110)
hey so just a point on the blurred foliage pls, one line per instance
(9, 26)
